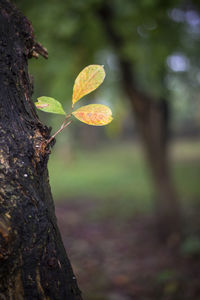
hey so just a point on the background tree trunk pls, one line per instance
(33, 261)
(152, 118)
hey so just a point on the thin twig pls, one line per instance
(66, 118)
(64, 125)
(39, 49)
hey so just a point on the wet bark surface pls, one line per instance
(33, 261)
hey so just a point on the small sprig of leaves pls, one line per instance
(88, 80)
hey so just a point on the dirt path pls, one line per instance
(122, 260)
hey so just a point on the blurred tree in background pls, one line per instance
(150, 52)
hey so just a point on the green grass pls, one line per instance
(186, 167)
(117, 176)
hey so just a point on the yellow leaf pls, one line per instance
(87, 81)
(94, 114)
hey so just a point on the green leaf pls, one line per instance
(94, 114)
(50, 105)
(87, 81)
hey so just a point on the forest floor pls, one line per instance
(121, 259)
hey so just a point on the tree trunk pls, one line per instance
(33, 261)
(152, 120)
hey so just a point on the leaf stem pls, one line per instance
(63, 126)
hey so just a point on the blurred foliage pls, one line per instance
(191, 246)
(116, 176)
(160, 40)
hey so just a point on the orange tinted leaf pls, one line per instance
(87, 81)
(94, 114)
(41, 105)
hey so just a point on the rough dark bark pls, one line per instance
(33, 261)
(152, 119)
